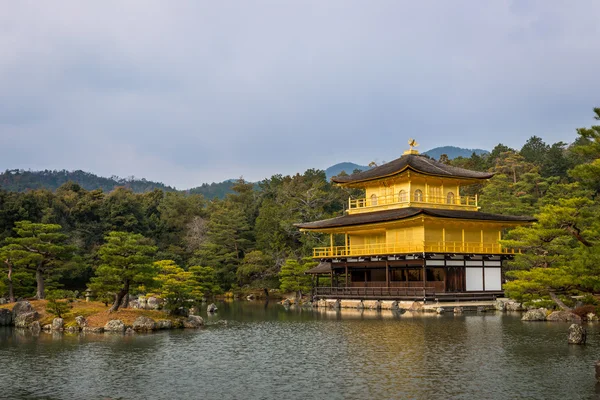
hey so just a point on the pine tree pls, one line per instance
(38, 247)
(176, 286)
(293, 277)
(125, 260)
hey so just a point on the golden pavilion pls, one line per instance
(413, 236)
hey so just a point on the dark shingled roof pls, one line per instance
(322, 268)
(403, 213)
(416, 163)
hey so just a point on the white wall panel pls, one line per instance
(474, 279)
(493, 280)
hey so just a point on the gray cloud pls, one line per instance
(193, 92)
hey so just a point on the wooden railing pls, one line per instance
(406, 248)
(411, 200)
(380, 293)
(374, 292)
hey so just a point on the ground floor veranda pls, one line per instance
(415, 276)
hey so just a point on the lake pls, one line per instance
(266, 352)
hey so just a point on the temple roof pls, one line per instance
(416, 163)
(322, 268)
(408, 212)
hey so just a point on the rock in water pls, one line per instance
(577, 334)
(81, 321)
(144, 324)
(538, 314)
(21, 307)
(500, 305)
(513, 306)
(114, 325)
(35, 327)
(24, 320)
(193, 321)
(458, 310)
(564, 316)
(440, 310)
(58, 324)
(164, 324)
(591, 317)
(6, 317)
(211, 308)
(416, 306)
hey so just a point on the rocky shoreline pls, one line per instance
(24, 316)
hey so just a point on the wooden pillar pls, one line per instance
(462, 246)
(481, 240)
(331, 277)
(444, 238)
(346, 245)
(410, 195)
(387, 274)
(346, 268)
(331, 243)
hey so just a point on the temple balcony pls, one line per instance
(409, 248)
(378, 203)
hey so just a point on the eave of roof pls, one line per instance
(322, 268)
(404, 213)
(415, 163)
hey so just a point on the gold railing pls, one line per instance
(407, 200)
(428, 247)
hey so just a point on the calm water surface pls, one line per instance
(266, 352)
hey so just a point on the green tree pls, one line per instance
(125, 260)
(227, 239)
(39, 247)
(59, 302)
(293, 278)
(205, 279)
(258, 270)
(534, 151)
(177, 287)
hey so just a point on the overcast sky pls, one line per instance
(201, 91)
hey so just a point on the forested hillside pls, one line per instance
(248, 237)
(18, 180)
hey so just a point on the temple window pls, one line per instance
(402, 196)
(418, 195)
(450, 198)
(373, 199)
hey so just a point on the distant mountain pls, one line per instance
(453, 152)
(347, 167)
(18, 180)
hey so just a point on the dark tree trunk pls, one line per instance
(119, 297)
(125, 303)
(266, 293)
(559, 302)
(39, 277)
(11, 293)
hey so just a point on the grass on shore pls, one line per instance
(96, 313)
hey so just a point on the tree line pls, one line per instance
(181, 244)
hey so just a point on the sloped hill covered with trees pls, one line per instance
(18, 180)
